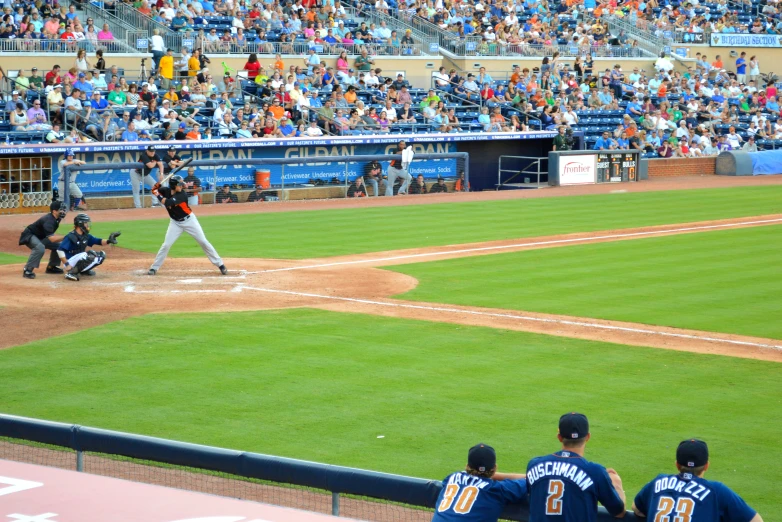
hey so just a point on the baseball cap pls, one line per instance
(692, 453)
(173, 148)
(151, 147)
(573, 426)
(34, 69)
(144, 133)
(351, 70)
(55, 205)
(82, 75)
(222, 102)
(481, 457)
(15, 92)
(185, 88)
(182, 125)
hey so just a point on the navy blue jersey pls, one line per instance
(566, 487)
(467, 498)
(75, 243)
(687, 497)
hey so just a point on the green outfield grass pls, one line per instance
(298, 235)
(722, 281)
(323, 386)
(10, 259)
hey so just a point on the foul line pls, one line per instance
(517, 317)
(520, 245)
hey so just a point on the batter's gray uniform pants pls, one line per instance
(190, 225)
(136, 180)
(38, 247)
(394, 173)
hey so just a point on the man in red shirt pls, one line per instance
(53, 74)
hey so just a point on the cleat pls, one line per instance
(53, 270)
(71, 277)
(151, 271)
(28, 274)
(89, 273)
(223, 270)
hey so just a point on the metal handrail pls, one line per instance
(23, 45)
(301, 47)
(646, 39)
(172, 39)
(371, 15)
(120, 27)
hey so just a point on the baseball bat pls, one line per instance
(184, 164)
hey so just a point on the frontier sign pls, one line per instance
(577, 170)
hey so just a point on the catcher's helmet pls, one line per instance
(69, 152)
(83, 222)
(175, 180)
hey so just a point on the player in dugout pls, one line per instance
(479, 493)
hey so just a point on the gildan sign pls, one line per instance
(577, 170)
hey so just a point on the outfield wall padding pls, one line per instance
(339, 479)
(740, 163)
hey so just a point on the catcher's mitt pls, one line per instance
(113, 237)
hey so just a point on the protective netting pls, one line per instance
(212, 482)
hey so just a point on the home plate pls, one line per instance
(190, 281)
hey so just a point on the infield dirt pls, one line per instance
(347, 283)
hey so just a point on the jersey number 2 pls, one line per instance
(556, 488)
(683, 508)
(463, 503)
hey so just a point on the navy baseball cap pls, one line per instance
(692, 453)
(573, 426)
(481, 457)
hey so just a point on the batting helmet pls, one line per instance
(83, 222)
(69, 152)
(175, 180)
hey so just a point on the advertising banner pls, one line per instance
(116, 181)
(745, 40)
(577, 170)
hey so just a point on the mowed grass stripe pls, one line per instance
(323, 386)
(10, 259)
(301, 235)
(723, 281)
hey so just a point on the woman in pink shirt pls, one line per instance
(771, 91)
(342, 62)
(105, 34)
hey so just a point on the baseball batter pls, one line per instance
(77, 260)
(174, 199)
(400, 169)
(566, 487)
(688, 496)
(479, 493)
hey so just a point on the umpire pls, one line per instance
(39, 236)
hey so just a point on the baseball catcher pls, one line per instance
(174, 199)
(73, 251)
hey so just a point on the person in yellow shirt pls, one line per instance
(166, 68)
(171, 95)
(193, 65)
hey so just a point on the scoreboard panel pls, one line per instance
(616, 166)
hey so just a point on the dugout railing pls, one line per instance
(365, 495)
(462, 157)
